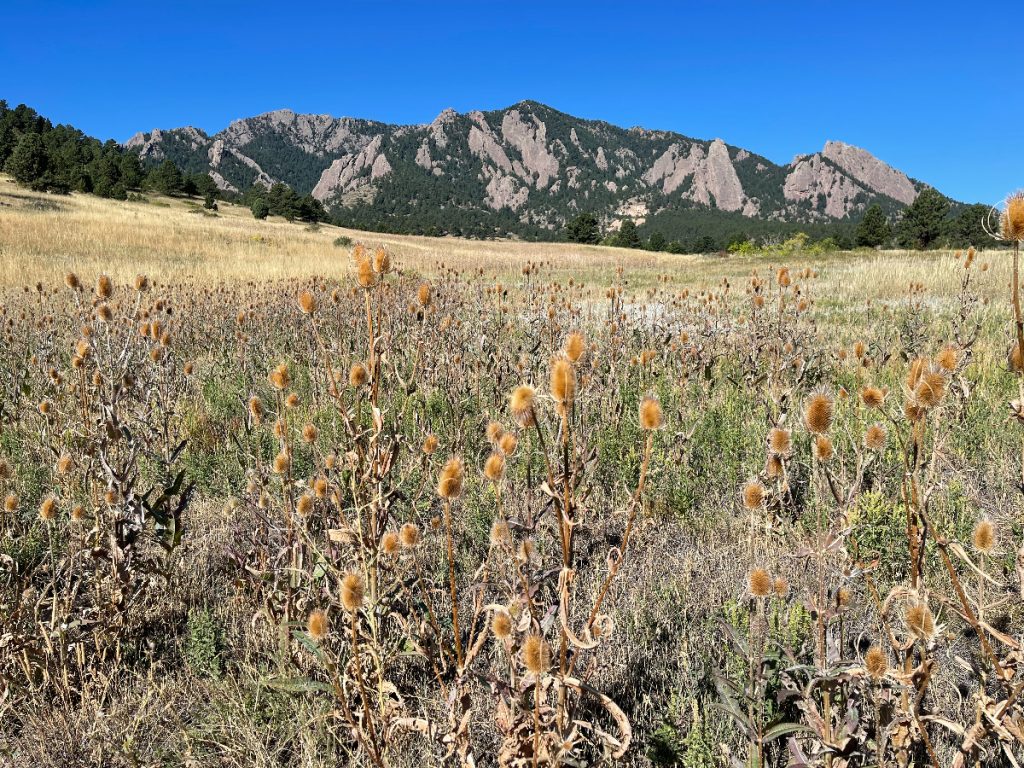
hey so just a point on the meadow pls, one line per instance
(278, 495)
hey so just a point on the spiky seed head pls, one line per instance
(256, 409)
(11, 502)
(430, 444)
(780, 441)
(913, 411)
(389, 543)
(357, 375)
(409, 535)
(141, 283)
(843, 597)
(500, 534)
(310, 433)
(48, 509)
(494, 467)
(875, 437)
(947, 359)
(919, 621)
(318, 625)
(280, 378)
(320, 487)
(651, 416)
(822, 448)
(773, 466)
(104, 313)
(77, 513)
(521, 404)
(753, 495)
(381, 261)
(574, 346)
(494, 432)
(307, 302)
(104, 288)
(282, 462)
(536, 654)
(818, 413)
(563, 384)
(423, 294)
(876, 662)
(984, 536)
(501, 624)
(917, 368)
(508, 443)
(352, 590)
(71, 281)
(449, 484)
(859, 349)
(930, 388)
(872, 397)
(780, 586)
(304, 505)
(760, 583)
(364, 273)
(1011, 222)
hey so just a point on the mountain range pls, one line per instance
(526, 170)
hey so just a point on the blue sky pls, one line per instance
(932, 88)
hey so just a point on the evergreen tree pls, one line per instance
(873, 230)
(968, 228)
(923, 220)
(584, 229)
(627, 236)
(260, 208)
(166, 178)
(131, 169)
(27, 162)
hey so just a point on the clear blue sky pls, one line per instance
(932, 88)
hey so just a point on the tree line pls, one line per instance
(62, 159)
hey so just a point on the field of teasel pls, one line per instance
(400, 520)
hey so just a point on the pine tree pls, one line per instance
(627, 236)
(923, 221)
(873, 230)
(584, 229)
(27, 163)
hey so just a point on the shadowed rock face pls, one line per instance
(542, 165)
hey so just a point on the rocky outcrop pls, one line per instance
(713, 177)
(871, 172)
(529, 136)
(820, 184)
(353, 172)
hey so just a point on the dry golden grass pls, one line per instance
(44, 236)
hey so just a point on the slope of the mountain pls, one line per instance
(524, 170)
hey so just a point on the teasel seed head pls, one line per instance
(11, 503)
(780, 441)
(780, 586)
(48, 509)
(753, 495)
(282, 462)
(508, 443)
(318, 625)
(875, 437)
(320, 487)
(563, 384)
(501, 624)
(574, 346)
(71, 281)
(104, 288)
(381, 262)
(876, 662)
(364, 273)
(494, 467)
(930, 388)
(818, 413)
(1011, 222)
(423, 294)
(77, 513)
(389, 543)
(256, 409)
(449, 485)
(409, 535)
(141, 283)
(352, 590)
(984, 536)
(872, 397)
(773, 466)
(357, 375)
(310, 433)
(430, 444)
(500, 534)
(494, 432)
(307, 302)
(919, 621)
(822, 448)
(521, 403)
(304, 505)
(536, 654)
(947, 359)
(279, 377)
(760, 583)
(651, 416)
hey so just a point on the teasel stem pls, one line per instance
(451, 582)
(375, 755)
